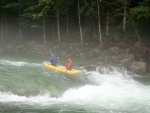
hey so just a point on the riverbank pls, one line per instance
(135, 57)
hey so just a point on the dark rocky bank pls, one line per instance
(134, 57)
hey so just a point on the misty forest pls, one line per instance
(96, 21)
(103, 23)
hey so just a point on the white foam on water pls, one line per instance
(18, 63)
(115, 91)
(8, 97)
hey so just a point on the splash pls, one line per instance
(114, 92)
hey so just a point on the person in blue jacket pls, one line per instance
(53, 60)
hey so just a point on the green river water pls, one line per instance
(26, 86)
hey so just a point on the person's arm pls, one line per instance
(66, 65)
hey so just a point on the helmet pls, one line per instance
(69, 59)
(52, 55)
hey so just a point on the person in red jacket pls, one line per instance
(69, 64)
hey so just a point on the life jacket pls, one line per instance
(69, 65)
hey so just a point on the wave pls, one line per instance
(8, 97)
(113, 90)
(95, 97)
(108, 89)
(18, 63)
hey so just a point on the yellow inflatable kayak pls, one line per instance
(61, 69)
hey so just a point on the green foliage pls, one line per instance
(122, 2)
(30, 14)
(115, 36)
(33, 14)
(89, 34)
(89, 8)
(141, 12)
(115, 33)
(12, 6)
(119, 7)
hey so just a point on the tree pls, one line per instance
(66, 10)
(20, 28)
(99, 24)
(81, 36)
(35, 15)
(3, 16)
(58, 23)
(15, 6)
(124, 16)
(140, 16)
(90, 17)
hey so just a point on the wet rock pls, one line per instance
(126, 61)
(108, 55)
(115, 50)
(138, 67)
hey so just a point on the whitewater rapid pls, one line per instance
(111, 92)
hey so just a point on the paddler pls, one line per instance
(69, 64)
(53, 60)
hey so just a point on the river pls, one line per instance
(26, 86)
